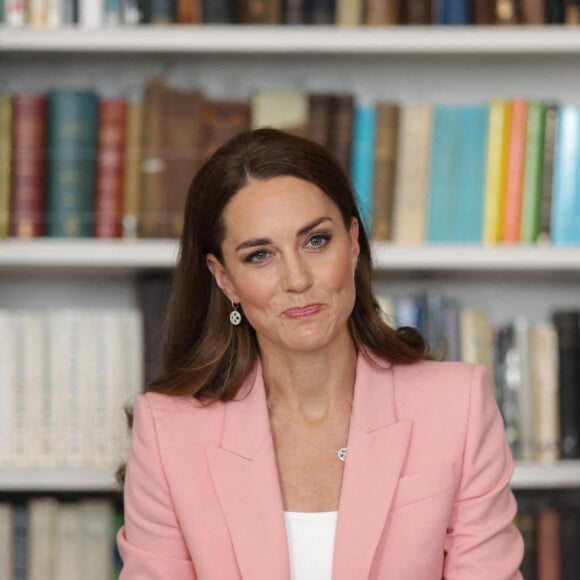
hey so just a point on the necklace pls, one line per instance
(340, 453)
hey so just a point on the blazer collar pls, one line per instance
(245, 476)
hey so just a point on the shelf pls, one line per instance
(162, 254)
(296, 40)
(53, 479)
(564, 474)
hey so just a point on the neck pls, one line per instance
(310, 387)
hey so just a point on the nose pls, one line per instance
(296, 275)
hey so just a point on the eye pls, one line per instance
(258, 256)
(318, 240)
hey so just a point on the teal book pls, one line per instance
(533, 173)
(471, 180)
(72, 143)
(363, 160)
(443, 176)
(565, 219)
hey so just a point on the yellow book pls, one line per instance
(498, 135)
(5, 152)
(285, 110)
(133, 157)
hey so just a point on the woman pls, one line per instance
(294, 434)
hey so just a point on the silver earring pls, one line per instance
(235, 316)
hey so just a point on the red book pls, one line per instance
(516, 164)
(110, 169)
(28, 167)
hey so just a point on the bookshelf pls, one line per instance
(406, 64)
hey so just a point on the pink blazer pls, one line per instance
(424, 494)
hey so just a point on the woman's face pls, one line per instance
(289, 261)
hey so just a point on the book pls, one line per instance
(69, 560)
(28, 166)
(189, 12)
(284, 110)
(222, 120)
(515, 168)
(341, 129)
(112, 13)
(97, 520)
(570, 530)
(452, 12)
(554, 11)
(548, 173)
(6, 540)
(417, 12)
(567, 323)
(521, 382)
(495, 172)
(565, 218)
(382, 12)
(533, 12)
(320, 12)
(526, 521)
(72, 140)
(471, 180)
(10, 414)
(549, 543)
(544, 375)
(572, 12)
(442, 217)
(363, 160)
(320, 118)
(533, 176)
(132, 173)
(218, 12)
(5, 161)
(349, 12)
(483, 12)
(20, 542)
(42, 527)
(258, 11)
(477, 338)
(160, 12)
(507, 12)
(15, 13)
(384, 176)
(412, 174)
(91, 13)
(293, 12)
(110, 171)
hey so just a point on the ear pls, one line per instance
(221, 278)
(353, 233)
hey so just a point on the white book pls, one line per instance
(546, 392)
(6, 540)
(525, 399)
(37, 13)
(54, 16)
(69, 543)
(97, 523)
(42, 530)
(349, 12)
(15, 13)
(30, 387)
(91, 13)
(8, 378)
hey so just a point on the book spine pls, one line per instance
(293, 12)
(565, 220)
(548, 173)
(110, 168)
(258, 11)
(383, 12)
(9, 395)
(189, 12)
(91, 13)
(15, 13)
(349, 12)
(417, 12)
(515, 172)
(483, 12)
(112, 13)
(526, 411)
(20, 542)
(495, 172)
(549, 543)
(362, 169)
(533, 12)
(342, 127)
(456, 12)
(73, 132)
(572, 12)
(554, 11)
(28, 166)
(507, 12)
(534, 169)
(161, 12)
(42, 521)
(132, 174)
(5, 161)
(37, 13)
(384, 178)
(6, 541)
(322, 11)
(218, 12)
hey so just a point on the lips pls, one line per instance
(303, 312)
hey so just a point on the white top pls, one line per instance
(311, 544)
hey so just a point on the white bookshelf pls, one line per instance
(162, 254)
(295, 40)
(560, 475)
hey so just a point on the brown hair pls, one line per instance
(203, 354)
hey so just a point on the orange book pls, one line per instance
(516, 161)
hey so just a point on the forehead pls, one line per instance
(275, 205)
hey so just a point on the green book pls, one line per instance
(533, 176)
(72, 148)
(5, 151)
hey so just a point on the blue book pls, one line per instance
(363, 160)
(565, 220)
(471, 181)
(443, 176)
(452, 12)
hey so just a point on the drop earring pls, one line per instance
(235, 316)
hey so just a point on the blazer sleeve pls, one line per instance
(150, 542)
(482, 540)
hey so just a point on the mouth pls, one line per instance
(303, 312)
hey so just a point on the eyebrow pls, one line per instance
(266, 241)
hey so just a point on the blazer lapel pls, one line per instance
(377, 446)
(245, 478)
